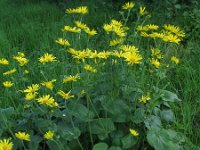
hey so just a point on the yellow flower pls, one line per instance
(175, 59)
(174, 29)
(155, 62)
(128, 5)
(21, 59)
(71, 29)
(145, 98)
(49, 84)
(63, 42)
(47, 58)
(23, 136)
(129, 48)
(142, 11)
(30, 96)
(90, 68)
(80, 55)
(8, 84)
(79, 10)
(4, 61)
(90, 32)
(47, 100)
(65, 95)
(81, 25)
(155, 52)
(32, 89)
(82, 92)
(10, 72)
(171, 38)
(104, 54)
(152, 27)
(71, 78)
(5, 144)
(133, 132)
(116, 41)
(133, 58)
(118, 54)
(26, 72)
(49, 135)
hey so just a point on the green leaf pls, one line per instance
(100, 146)
(102, 126)
(169, 96)
(118, 110)
(139, 115)
(167, 115)
(114, 148)
(153, 122)
(128, 141)
(6, 112)
(81, 112)
(35, 140)
(162, 139)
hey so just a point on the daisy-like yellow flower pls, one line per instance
(79, 10)
(32, 89)
(116, 41)
(145, 98)
(133, 132)
(174, 29)
(65, 95)
(90, 32)
(63, 42)
(4, 61)
(49, 84)
(81, 55)
(129, 48)
(155, 52)
(71, 29)
(20, 57)
(152, 27)
(47, 58)
(171, 38)
(71, 78)
(9, 72)
(175, 60)
(104, 54)
(6, 144)
(118, 54)
(8, 84)
(133, 58)
(49, 135)
(23, 136)
(142, 11)
(90, 68)
(47, 100)
(26, 72)
(128, 5)
(81, 25)
(30, 96)
(155, 62)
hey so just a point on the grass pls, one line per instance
(32, 26)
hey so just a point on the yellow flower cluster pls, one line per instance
(4, 61)
(20, 57)
(47, 58)
(116, 27)
(79, 10)
(85, 28)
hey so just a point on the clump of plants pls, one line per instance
(103, 88)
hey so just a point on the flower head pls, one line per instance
(145, 98)
(4, 61)
(71, 29)
(5, 144)
(133, 58)
(49, 84)
(49, 135)
(47, 58)
(30, 96)
(65, 95)
(133, 132)
(90, 68)
(63, 42)
(47, 100)
(79, 10)
(8, 84)
(32, 89)
(9, 72)
(23, 136)
(175, 60)
(128, 5)
(155, 62)
(71, 78)
(20, 57)
(142, 11)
